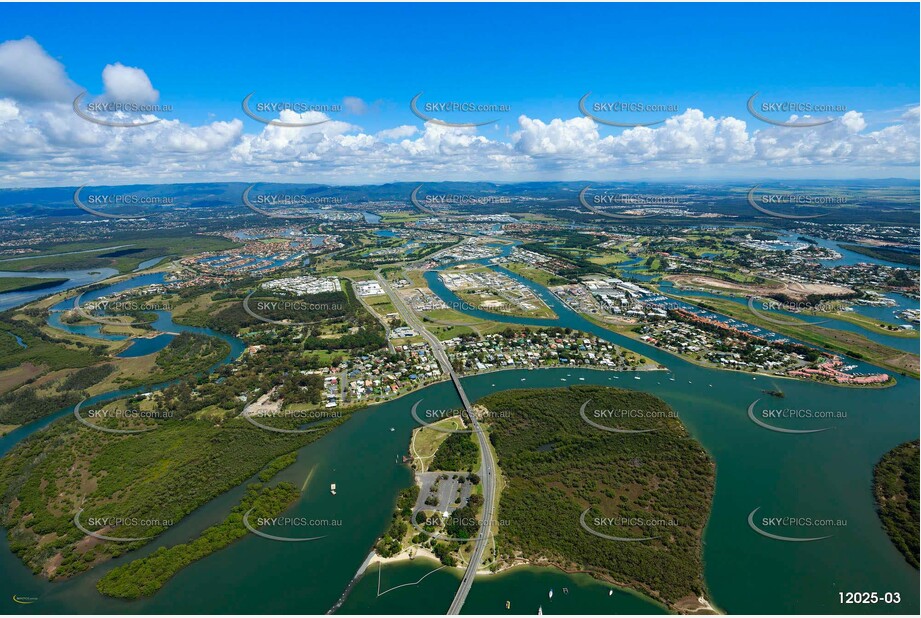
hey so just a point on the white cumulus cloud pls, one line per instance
(128, 84)
(28, 73)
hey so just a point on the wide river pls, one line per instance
(825, 475)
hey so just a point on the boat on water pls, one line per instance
(540, 610)
(508, 605)
(551, 594)
(610, 592)
(332, 488)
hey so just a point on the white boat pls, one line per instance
(551, 593)
(332, 488)
(540, 611)
(610, 592)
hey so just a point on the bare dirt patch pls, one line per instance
(794, 290)
(11, 378)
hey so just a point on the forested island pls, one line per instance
(558, 468)
(895, 486)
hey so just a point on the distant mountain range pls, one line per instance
(895, 194)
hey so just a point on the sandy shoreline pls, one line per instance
(408, 554)
(689, 605)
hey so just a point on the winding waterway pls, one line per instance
(819, 475)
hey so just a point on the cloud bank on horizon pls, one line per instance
(44, 143)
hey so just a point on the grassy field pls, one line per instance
(13, 377)
(124, 254)
(401, 217)
(25, 284)
(425, 442)
(883, 253)
(448, 323)
(609, 258)
(380, 304)
(867, 323)
(537, 275)
(491, 302)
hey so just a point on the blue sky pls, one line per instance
(537, 59)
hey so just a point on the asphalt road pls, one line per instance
(488, 465)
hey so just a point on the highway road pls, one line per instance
(488, 465)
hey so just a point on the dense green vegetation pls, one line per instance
(308, 308)
(457, 453)
(352, 328)
(27, 284)
(42, 349)
(464, 523)
(884, 253)
(142, 246)
(146, 576)
(186, 354)
(390, 544)
(580, 265)
(556, 466)
(895, 485)
(27, 403)
(277, 465)
(163, 475)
